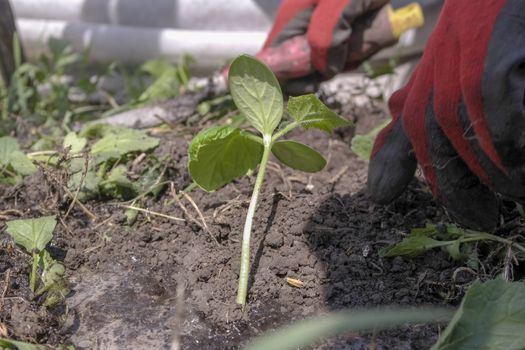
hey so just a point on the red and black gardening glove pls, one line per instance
(313, 39)
(462, 115)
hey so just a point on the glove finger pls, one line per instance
(330, 28)
(509, 184)
(467, 200)
(392, 165)
(503, 95)
(289, 60)
(292, 19)
(502, 89)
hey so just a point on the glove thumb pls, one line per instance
(392, 165)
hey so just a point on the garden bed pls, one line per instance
(164, 281)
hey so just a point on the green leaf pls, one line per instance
(8, 145)
(11, 155)
(451, 238)
(490, 317)
(131, 216)
(117, 184)
(164, 87)
(257, 93)
(74, 142)
(412, 245)
(53, 278)
(304, 333)
(362, 144)
(32, 234)
(21, 164)
(220, 154)
(151, 179)
(77, 164)
(9, 180)
(298, 156)
(121, 141)
(157, 67)
(166, 83)
(96, 130)
(90, 187)
(310, 112)
(454, 249)
(373, 72)
(18, 345)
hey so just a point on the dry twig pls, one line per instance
(201, 224)
(82, 178)
(79, 203)
(150, 212)
(7, 279)
(337, 176)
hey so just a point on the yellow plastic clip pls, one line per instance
(405, 18)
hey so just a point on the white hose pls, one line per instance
(136, 45)
(182, 14)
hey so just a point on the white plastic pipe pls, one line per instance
(136, 45)
(183, 14)
(132, 31)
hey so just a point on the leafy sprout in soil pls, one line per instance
(60, 89)
(220, 154)
(34, 235)
(449, 237)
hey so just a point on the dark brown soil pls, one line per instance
(162, 281)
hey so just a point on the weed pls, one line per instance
(34, 235)
(448, 237)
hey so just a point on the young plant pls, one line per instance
(34, 235)
(449, 237)
(220, 154)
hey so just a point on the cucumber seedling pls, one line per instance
(34, 235)
(222, 153)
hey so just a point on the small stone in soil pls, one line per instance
(274, 239)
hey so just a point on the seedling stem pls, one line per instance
(245, 249)
(34, 272)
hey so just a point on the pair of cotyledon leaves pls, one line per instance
(220, 154)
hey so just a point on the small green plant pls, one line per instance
(40, 89)
(34, 235)
(101, 170)
(154, 81)
(220, 154)
(449, 237)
